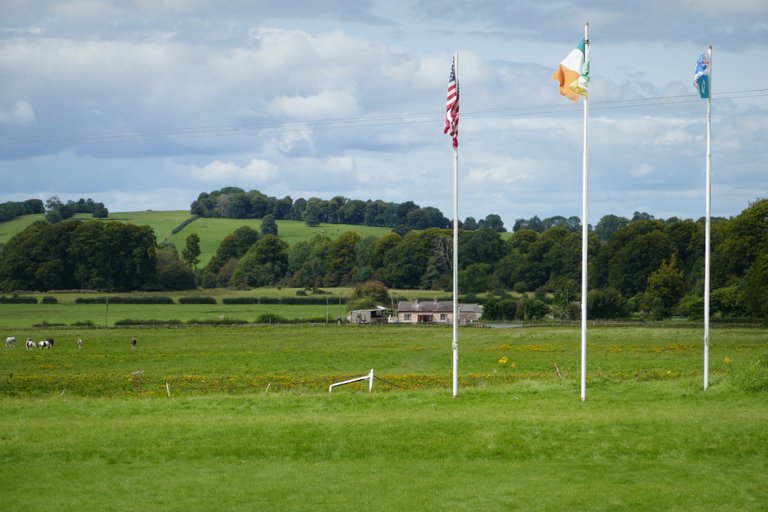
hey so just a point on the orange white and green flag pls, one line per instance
(573, 73)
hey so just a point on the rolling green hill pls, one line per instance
(211, 231)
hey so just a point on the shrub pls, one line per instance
(270, 318)
(130, 321)
(139, 299)
(197, 299)
(218, 321)
(754, 377)
(48, 299)
(16, 299)
(240, 300)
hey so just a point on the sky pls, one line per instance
(145, 104)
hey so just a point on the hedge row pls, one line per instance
(184, 224)
(267, 318)
(197, 299)
(303, 301)
(124, 300)
(16, 299)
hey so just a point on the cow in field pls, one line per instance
(45, 343)
(10, 341)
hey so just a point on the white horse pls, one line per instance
(31, 344)
(10, 341)
(45, 343)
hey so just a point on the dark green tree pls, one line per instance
(268, 225)
(265, 263)
(191, 252)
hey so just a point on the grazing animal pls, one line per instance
(79, 343)
(45, 343)
(133, 343)
(10, 341)
(31, 344)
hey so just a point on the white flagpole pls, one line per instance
(707, 228)
(456, 252)
(584, 228)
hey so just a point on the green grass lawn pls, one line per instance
(528, 446)
(249, 424)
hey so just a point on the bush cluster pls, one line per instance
(125, 300)
(197, 299)
(16, 299)
(303, 301)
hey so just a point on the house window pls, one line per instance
(443, 316)
(406, 316)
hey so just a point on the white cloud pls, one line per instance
(20, 113)
(327, 103)
(256, 172)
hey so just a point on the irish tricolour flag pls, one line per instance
(573, 73)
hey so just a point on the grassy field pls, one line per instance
(249, 424)
(211, 231)
(15, 318)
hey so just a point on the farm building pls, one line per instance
(435, 311)
(377, 315)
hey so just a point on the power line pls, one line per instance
(181, 134)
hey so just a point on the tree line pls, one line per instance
(235, 203)
(648, 266)
(55, 210)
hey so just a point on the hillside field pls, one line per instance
(249, 423)
(211, 231)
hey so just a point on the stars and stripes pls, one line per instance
(452, 106)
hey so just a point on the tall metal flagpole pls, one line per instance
(707, 228)
(584, 228)
(456, 252)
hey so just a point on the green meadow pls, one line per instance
(239, 418)
(210, 231)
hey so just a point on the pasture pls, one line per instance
(249, 424)
(211, 231)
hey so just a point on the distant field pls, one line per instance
(67, 312)
(211, 231)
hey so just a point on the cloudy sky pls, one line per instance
(143, 104)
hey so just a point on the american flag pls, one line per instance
(452, 107)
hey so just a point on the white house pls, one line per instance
(436, 312)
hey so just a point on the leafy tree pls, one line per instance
(470, 224)
(666, 284)
(342, 257)
(476, 278)
(265, 263)
(268, 225)
(172, 273)
(493, 222)
(730, 301)
(608, 225)
(191, 251)
(311, 215)
(606, 303)
(630, 256)
(482, 246)
(756, 288)
(368, 295)
(233, 246)
(566, 294)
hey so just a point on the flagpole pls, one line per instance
(708, 194)
(456, 253)
(584, 228)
